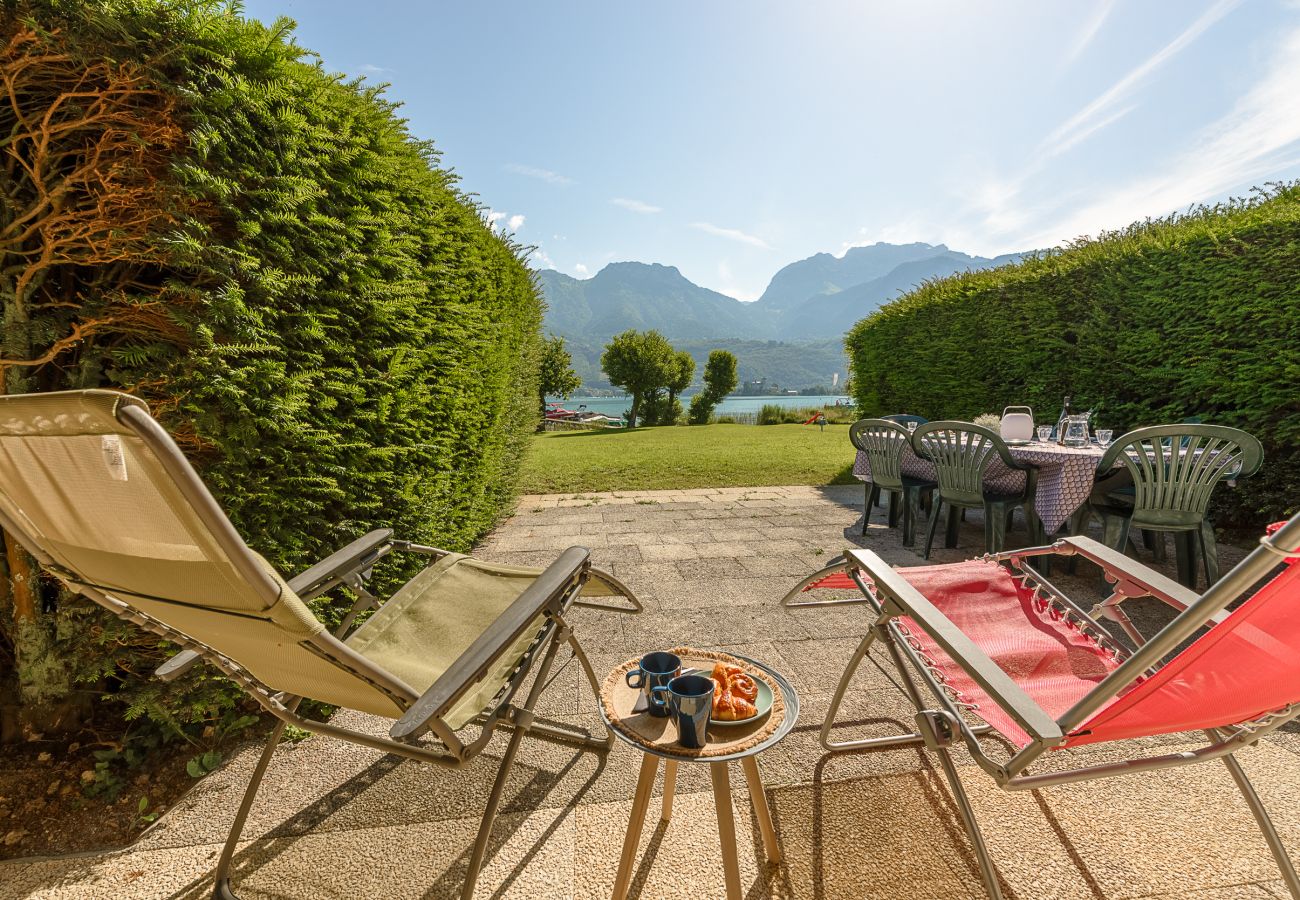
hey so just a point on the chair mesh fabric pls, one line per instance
(1050, 659)
(99, 502)
(1240, 670)
(432, 619)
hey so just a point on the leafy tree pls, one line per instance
(556, 377)
(719, 381)
(641, 363)
(664, 408)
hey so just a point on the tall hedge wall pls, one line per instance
(307, 299)
(1194, 315)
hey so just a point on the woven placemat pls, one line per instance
(660, 733)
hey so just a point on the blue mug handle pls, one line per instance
(654, 701)
(639, 674)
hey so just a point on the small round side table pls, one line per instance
(718, 771)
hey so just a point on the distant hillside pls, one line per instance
(808, 306)
(642, 296)
(826, 274)
(839, 311)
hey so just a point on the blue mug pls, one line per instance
(652, 676)
(692, 698)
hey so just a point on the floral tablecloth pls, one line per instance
(1065, 476)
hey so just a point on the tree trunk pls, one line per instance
(636, 408)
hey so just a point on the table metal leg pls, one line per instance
(644, 786)
(726, 827)
(670, 778)
(761, 812)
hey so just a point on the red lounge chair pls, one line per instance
(1000, 649)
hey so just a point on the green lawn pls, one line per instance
(687, 457)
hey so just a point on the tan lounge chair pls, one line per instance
(98, 492)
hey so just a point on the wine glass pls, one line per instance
(1104, 437)
(1044, 433)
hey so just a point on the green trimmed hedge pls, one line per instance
(1194, 315)
(348, 343)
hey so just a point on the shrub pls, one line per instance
(771, 414)
(309, 302)
(719, 380)
(1192, 315)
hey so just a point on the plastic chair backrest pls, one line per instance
(961, 452)
(884, 442)
(1173, 486)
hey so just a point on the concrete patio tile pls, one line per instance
(735, 534)
(712, 570)
(645, 576)
(667, 552)
(720, 550)
(747, 591)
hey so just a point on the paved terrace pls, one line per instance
(334, 820)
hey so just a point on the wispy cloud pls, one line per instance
(581, 270)
(1101, 111)
(731, 234)
(509, 221)
(636, 206)
(539, 260)
(1100, 13)
(1257, 139)
(540, 174)
(371, 69)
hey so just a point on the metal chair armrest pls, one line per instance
(316, 580)
(903, 599)
(309, 583)
(1133, 579)
(557, 583)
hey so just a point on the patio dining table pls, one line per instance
(1065, 476)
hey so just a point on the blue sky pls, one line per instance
(729, 138)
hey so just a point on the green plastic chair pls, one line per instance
(1171, 489)
(962, 453)
(902, 419)
(884, 442)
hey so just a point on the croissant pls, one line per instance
(729, 708)
(734, 696)
(737, 681)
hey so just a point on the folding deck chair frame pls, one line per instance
(940, 722)
(554, 591)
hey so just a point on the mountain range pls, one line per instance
(811, 302)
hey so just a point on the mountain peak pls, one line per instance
(633, 267)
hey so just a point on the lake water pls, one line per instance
(616, 406)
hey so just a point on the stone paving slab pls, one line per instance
(335, 820)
